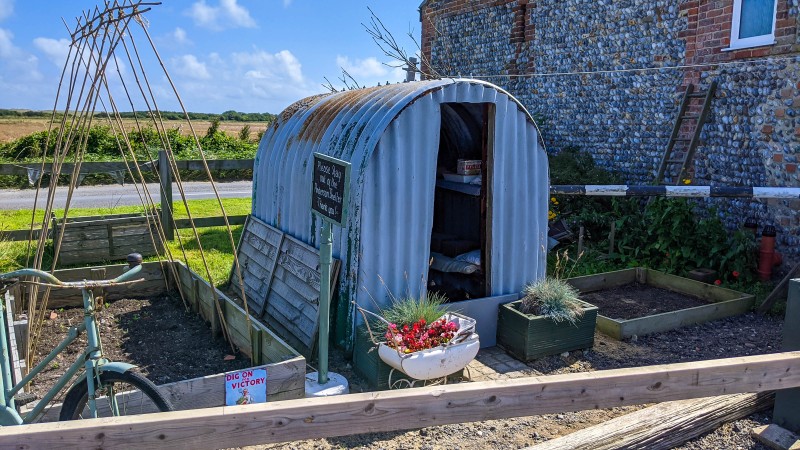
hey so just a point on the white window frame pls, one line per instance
(754, 41)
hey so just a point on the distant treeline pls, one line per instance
(234, 116)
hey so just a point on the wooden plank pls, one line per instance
(279, 324)
(688, 286)
(290, 299)
(237, 326)
(264, 232)
(663, 426)
(609, 327)
(270, 279)
(293, 320)
(273, 348)
(302, 295)
(203, 222)
(259, 262)
(302, 253)
(20, 169)
(312, 418)
(676, 319)
(776, 437)
(285, 381)
(215, 164)
(187, 284)
(601, 281)
(786, 413)
(152, 285)
(18, 235)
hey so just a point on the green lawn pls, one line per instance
(214, 240)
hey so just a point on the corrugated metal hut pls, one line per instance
(407, 203)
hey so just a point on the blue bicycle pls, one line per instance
(102, 388)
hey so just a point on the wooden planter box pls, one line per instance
(286, 368)
(528, 337)
(722, 302)
(105, 238)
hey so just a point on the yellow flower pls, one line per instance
(551, 215)
(553, 200)
(687, 181)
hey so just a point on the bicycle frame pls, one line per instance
(91, 358)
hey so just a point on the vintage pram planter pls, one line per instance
(434, 363)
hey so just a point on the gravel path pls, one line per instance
(749, 334)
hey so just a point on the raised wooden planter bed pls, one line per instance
(722, 302)
(528, 337)
(286, 369)
(105, 238)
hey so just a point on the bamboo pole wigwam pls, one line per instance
(101, 40)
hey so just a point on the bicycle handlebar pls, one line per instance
(134, 267)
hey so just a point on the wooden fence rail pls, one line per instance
(321, 417)
(199, 222)
(21, 169)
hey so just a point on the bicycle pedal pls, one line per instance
(23, 398)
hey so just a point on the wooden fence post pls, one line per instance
(165, 175)
(787, 412)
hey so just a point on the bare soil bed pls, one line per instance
(158, 335)
(748, 334)
(639, 300)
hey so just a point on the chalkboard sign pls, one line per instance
(330, 188)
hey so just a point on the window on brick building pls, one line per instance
(753, 23)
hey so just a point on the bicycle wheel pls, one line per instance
(134, 394)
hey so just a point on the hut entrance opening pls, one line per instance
(459, 240)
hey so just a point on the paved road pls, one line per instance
(115, 195)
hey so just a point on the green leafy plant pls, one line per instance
(244, 133)
(574, 166)
(666, 234)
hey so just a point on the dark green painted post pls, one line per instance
(330, 195)
(165, 175)
(325, 258)
(787, 401)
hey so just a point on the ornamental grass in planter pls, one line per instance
(548, 319)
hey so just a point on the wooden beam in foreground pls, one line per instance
(415, 408)
(663, 426)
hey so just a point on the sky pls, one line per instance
(243, 55)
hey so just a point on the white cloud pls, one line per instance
(6, 8)
(56, 51)
(179, 36)
(257, 80)
(264, 65)
(17, 67)
(189, 66)
(287, 3)
(7, 48)
(227, 14)
(369, 71)
(365, 68)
